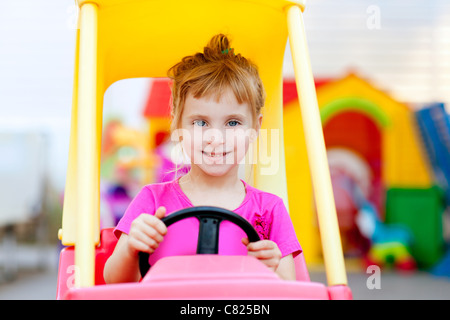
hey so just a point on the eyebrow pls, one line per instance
(198, 115)
(236, 115)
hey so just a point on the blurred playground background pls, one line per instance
(382, 71)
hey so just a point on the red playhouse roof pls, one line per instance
(290, 89)
(158, 101)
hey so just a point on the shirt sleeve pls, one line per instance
(282, 231)
(144, 202)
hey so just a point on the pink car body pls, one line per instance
(196, 277)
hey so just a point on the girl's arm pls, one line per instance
(286, 268)
(146, 232)
(122, 266)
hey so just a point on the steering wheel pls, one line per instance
(208, 234)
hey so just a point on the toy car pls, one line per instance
(121, 39)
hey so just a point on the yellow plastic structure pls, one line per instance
(404, 161)
(119, 39)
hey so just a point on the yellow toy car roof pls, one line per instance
(120, 39)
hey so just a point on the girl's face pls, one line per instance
(216, 134)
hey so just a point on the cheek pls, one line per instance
(240, 143)
(192, 140)
(186, 144)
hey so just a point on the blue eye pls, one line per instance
(233, 123)
(200, 123)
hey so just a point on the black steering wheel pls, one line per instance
(208, 234)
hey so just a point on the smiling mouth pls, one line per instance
(215, 155)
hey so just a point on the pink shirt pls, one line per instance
(265, 211)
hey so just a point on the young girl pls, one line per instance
(217, 98)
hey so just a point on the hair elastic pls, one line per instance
(226, 51)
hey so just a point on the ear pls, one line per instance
(259, 122)
(257, 128)
(177, 135)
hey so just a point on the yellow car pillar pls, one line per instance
(315, 144)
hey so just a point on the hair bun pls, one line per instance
(218, 47)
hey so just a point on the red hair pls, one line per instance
(212, 72)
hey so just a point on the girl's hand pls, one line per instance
(146, 232)
(265, 251)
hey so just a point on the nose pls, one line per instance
(214, 137)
